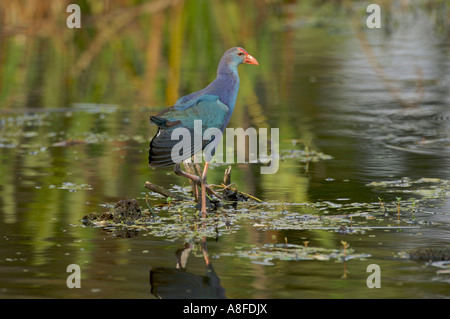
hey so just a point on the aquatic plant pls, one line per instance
(398, 208)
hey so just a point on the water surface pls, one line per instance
(383, 125)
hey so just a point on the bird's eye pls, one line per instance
(240, 53)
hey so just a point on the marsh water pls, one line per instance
(364, 124)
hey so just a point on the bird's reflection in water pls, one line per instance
(177, 283)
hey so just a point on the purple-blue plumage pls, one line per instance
(213, 105)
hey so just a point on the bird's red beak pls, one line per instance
(248, 58)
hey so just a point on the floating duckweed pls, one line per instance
(428, 188)
(305, 155)
(180, 219)
(75, 187)
(268, 253)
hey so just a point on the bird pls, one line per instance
(213, 105)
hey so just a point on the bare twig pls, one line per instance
(223, 186)
(227, 176)
(163, 191)
(190, 168)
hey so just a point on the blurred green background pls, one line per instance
(74, 129)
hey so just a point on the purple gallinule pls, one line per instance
(213, 105)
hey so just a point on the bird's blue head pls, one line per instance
(235, 56)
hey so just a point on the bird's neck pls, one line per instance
(226, 85)
(226, 69)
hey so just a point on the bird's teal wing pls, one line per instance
(182, 109)
(207, 110)
(191, 99)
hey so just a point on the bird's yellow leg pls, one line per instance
(205, 171)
